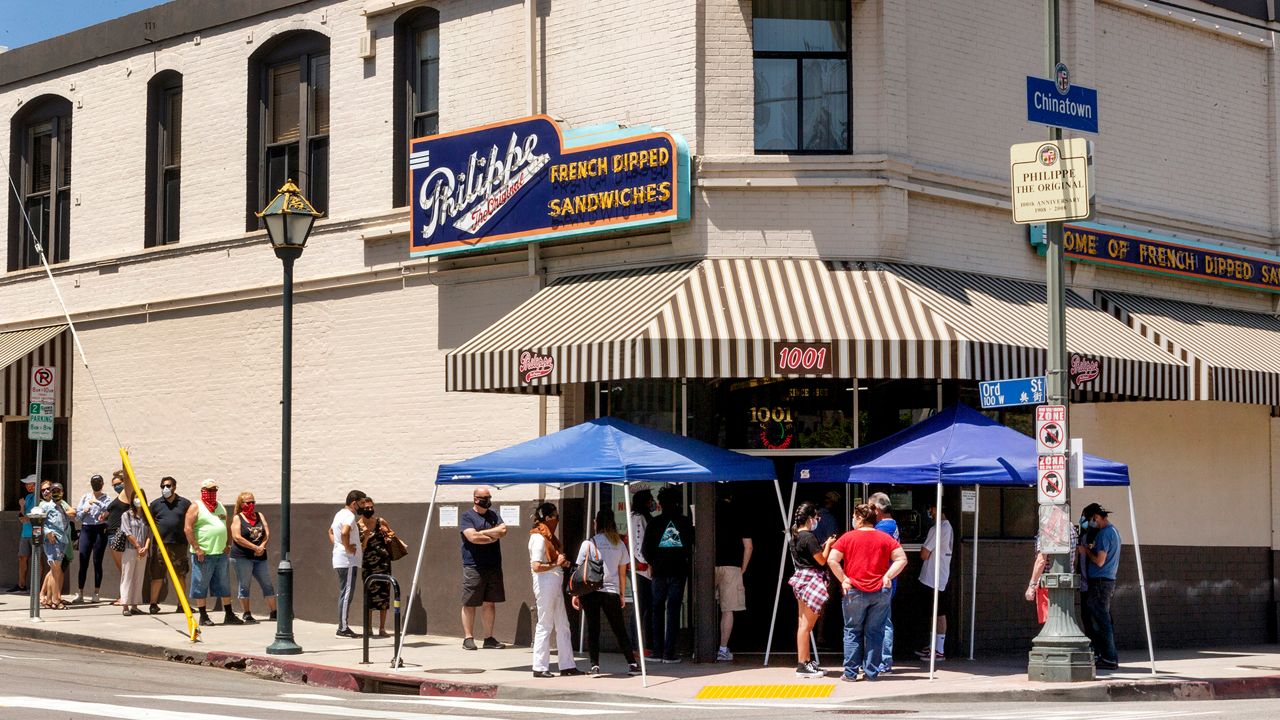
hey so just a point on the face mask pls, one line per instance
(551, 523)
(367, 512)
(57, 495)
(484, 502)
(117, 488)
(137, 502)
(248, 507)
(45, 493)
(209, 497)
(166, 491)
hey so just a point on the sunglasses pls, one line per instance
(166, 487)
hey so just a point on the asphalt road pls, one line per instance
(73, 683)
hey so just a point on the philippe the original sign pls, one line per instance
(1149, 252)
(525, 180)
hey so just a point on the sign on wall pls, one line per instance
(1144, 251)
(525, 180)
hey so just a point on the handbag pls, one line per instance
(589, 576)
(395, 546)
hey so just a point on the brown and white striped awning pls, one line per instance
(20, 351)
(723, 318)
(1234, 355)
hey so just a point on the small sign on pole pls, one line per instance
(1051, 480)
(40, 406)
(1012, 392)
(1052, 180)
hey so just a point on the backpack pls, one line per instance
(589, 576)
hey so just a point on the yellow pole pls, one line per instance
(193, 628)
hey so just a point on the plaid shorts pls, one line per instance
(810, 586)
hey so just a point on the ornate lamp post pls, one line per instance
(288, 219)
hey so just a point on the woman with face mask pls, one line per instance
(546, 564)
(115, 509)
(249, 536)
(133, 565)
(92, 513)
(375, 537)
(610, 599)
(57, 540)
(809, 556)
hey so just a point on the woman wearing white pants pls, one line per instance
(546, 562)
(133, 564)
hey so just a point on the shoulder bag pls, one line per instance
(589, 576)
(396, 547)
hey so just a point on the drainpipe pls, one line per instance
(531, 31)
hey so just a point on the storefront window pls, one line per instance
(773, 413)
(648, 403)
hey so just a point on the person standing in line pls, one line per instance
(611, 599)
(939, 540)
(887, 525)
(249, 537)
(92, 513)
(122, 501)
(546, 564)
(482, 585)
(733, 555)
(206, 531)
(170, 513)
(24, 540)
(642, 507)
(1101, 560)
(133, 566)
(828, 525)
(375, 538)
(1040, 566)
(57, 540)
(865, 561)
(809, 582)
(345, 537)
(668, 545)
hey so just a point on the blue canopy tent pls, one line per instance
(956, 446)
(604, 450)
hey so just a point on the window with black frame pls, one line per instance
(801, 50)
(41, 166)
(417, 100)
(292, 130)
(164, 159)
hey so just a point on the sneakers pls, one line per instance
(78, 599)
(272, 616)
(633, 668)
(346, 633)
(249, 619)
(809, 670)
(923, 654)
(470, 644)
(1103, 664)
(723, 655)
(154, 609)
(671, 661)
(571, 672)
(95, 597)
(854, 678)
(229, 618)
(205, 620)
(536, 673)
(595, 671)
(492, 644)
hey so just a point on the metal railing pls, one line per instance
(396, 662)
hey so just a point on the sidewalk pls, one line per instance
(439, 666)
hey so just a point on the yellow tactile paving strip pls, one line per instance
(765, 692)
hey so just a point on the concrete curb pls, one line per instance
(1252, 688)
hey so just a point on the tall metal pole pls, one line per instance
(284, 643)
(1060, 653)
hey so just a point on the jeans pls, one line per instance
(668, 592)
(864, 619)
(210, 577)
(93, 543)
(611, 605)
(1101, 630)
(644, 598)
(248, 569)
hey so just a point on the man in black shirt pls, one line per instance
(170, 513)
(668, 546)
(733, 554)
(482, 530)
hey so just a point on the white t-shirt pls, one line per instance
(638, 525)
(611, 555)
(342, 558)
(930, 543)
(538, 553)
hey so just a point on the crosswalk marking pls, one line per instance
(47, 705)
(345, 711)
(473, 704)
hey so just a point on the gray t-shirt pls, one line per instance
(612, 555)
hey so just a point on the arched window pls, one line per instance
(289, 119)
(40, 152)
(417, 94)
(164, 158)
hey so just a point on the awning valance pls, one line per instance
(1234, 355)
(20, 351)
(725, 318)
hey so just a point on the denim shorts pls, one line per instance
(210, 578)
(248, 569)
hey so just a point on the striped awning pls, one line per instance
(1234, 355)
(725, 318)
(20, 351)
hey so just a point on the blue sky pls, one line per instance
(23, 22)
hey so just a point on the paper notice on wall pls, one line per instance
(448, 516)
(510, 514)
(968, 500)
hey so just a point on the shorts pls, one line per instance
(731, 594)
(54, 553)
(482, 585)
(179, 555)
(24, 547)
(944, 598)
(211, 578)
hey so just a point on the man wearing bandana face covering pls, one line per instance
(481, 529)
(206, 531)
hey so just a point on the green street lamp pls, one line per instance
(288, 218)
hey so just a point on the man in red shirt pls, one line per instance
(865, 561)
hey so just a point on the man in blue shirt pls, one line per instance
(24, 542)
(887, 525)
(1100, 560)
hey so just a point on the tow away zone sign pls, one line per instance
(1051, 480)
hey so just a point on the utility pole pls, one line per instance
(1061, 652)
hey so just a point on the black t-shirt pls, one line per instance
(474, 555)
(668, 545)
(252, 533)
(804, 548)
(114, 511)
(730, 532)
(171, 520)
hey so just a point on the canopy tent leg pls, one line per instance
(1142, 582)
(635, 604)
(937, 576)
(782, 566)
(417, 567)
(973, 599)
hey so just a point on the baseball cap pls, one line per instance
(29, 480)
(208, 484)
(1094, 509)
